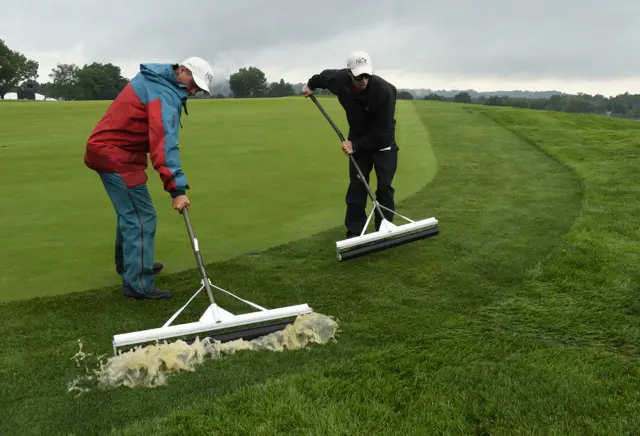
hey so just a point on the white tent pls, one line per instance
(14, 96)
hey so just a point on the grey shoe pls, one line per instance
(156, 294)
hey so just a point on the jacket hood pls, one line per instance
(163, 74)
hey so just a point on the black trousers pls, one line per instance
(385, 164)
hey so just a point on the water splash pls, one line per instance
(151, 365)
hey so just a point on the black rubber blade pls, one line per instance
(247, 334)
(387, 243)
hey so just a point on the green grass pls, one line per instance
(263, 173)
(520, 318)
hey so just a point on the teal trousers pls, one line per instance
(135, 232)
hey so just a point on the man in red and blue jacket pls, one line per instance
(144, 119)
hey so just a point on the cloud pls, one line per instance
(415, 43)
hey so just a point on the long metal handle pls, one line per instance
(196, 252)
(341, 136)
(326, 115)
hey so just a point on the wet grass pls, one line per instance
(521, 317)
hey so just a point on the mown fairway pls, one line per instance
(262, 173)
(521, 317)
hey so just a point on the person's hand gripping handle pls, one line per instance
(180, 202)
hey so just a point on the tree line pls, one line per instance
(97, 81)
(622, 105)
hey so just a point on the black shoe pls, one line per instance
(157, 267)
(156, 294)
(352, 235)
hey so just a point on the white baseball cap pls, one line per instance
(359, 62)
(202, 73)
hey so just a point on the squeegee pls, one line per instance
(388, 235)
(215, 323)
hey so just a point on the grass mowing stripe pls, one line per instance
(263, 172)
(584, 293)
(598, 385)
(408, 319)
(424, 306)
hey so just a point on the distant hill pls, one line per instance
(420, 93)
(222, 87)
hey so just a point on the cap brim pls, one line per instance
(362, 70)
(201, 84)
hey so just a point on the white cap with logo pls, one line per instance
(202, 73)
(359, 62)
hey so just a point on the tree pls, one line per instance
(433, 96)
(91, 82)
(46, 89)
(14, 68)
(281, 89)
(405, 95)
(462, 97)
(99, 82)
(495, 100)
(248, 82)
(64, 78)
(537, 103)
(518, 102)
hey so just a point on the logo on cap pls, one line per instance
(208, 77)
(361, 60)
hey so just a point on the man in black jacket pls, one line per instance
(369, 102)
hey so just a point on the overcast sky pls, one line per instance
(568, 45)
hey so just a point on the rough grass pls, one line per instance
(520, 318)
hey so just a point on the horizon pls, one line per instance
(400, 79)
(495, 45)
